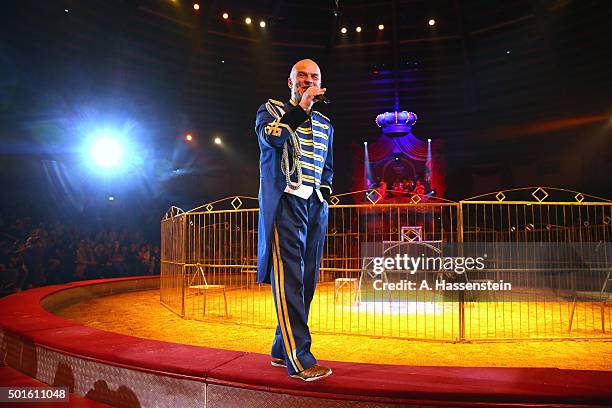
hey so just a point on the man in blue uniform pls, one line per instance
(295, 183)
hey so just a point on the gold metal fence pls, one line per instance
(209, 261)
(558, 258)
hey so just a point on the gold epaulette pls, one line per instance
(274, 101)
(322, 115)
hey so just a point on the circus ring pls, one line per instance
(124, 370)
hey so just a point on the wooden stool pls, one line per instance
(200, 285)
(204, 289)
(340, 282)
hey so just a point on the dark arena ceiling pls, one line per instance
(519, 89)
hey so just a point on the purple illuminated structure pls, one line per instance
(396, 124)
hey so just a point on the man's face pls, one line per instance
(303, 75)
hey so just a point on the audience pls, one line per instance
(53, 252)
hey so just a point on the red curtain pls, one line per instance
(386, 147)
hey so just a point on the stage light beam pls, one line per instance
(189, 137)
(218, 140)
(367, 171)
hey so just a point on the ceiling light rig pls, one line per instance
(337, 10)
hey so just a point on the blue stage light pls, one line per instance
(106, 152)
(111, 151)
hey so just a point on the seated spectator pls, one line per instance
(33, 262)
(102, 266)
(84, 260)
(419, 189)
(382, 189)
(117, 259)
(9, 278)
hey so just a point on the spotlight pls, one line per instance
(196, 6)
(248, 20)
(337, 10)
(428, 140)
(365, 143)
(343, 30)
(188, 137)
(358, 29)
(66, 10)
(262, 24)
(507, 51)
(106, 152)
(225, 16)
(111, 198)
(381, 27)
(432, 22)
(217, 140)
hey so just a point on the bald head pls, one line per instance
(304, 74)
(305, 65)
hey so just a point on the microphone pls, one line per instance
(322, 98)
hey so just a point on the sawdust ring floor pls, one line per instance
(140, 314)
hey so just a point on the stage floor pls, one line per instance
(141, 314)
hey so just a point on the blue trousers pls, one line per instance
(298, 238)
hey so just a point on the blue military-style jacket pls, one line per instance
(274, 125)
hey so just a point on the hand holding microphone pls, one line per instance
(312, 95)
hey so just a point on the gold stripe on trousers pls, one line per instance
(281, 305)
